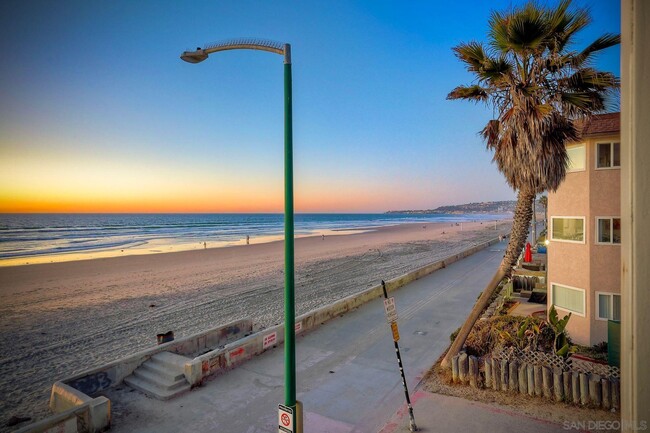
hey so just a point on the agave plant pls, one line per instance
(540, 89)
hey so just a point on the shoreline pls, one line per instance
(63, 318)
(70, 246)
(157, 246)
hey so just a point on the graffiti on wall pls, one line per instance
(92, 383)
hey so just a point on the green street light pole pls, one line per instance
(289, 286)
(200, 55)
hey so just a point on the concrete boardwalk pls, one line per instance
(347, 378)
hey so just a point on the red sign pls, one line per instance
(285, 419)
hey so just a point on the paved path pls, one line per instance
(347, 377)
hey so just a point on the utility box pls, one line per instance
(614, 343)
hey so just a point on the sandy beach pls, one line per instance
(62, 318)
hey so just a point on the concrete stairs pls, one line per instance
(161, 376)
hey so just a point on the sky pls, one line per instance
(99, 114)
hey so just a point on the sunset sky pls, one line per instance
(99, 114)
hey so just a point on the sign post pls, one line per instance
(391, 316)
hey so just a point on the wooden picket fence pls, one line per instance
(542, 375)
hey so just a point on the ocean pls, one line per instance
(24, 236)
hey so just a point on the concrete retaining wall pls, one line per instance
(239, 351)
(72, 398)
(75, 412)
(555, 384)
(93, 381)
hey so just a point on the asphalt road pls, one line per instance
(347, 373)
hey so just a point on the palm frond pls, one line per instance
(527, 29)
(495, 68)
(474, 93)
(472, 54)
(603, 42)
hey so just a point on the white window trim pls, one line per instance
(584, 299)
(598, 304)
(578, 170)
(611, 155)
(584, 231)
(596, 241)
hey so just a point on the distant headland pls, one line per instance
(486, 207)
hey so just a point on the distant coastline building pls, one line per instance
(584, 230)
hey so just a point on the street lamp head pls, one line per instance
(194, 56)
(239, 44)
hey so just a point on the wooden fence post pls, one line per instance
(462, 367)
(513, 377)
(575, 387)
(473, 371)
(504, 375)
(566, 385)
(531, 379)
(538, 380)
(454, 368)
(594, 390)
(607, 399)
(584, 389)
(488, 372)
(523, 378)
(547, 381)
(496, 374)
(615, 386)
(558, 387)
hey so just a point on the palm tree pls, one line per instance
(540, 89)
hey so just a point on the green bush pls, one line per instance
(525, 333)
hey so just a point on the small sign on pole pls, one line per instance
(285, 419)
(391, 311)
(393, 327)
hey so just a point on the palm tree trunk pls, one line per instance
(534, 242)
(521, 221)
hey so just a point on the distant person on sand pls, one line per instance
(323, 237)
(248, 238)
(205, 245)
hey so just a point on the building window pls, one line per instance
(608, 155)
(608, 306)
(608, 230)
(568, 298)
(577, 158)
(568, 229)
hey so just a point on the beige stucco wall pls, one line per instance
(590, 193)
(568, 263)
(605, 201)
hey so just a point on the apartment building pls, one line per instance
(584, 230)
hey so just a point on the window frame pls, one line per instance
(584, 149)
(584, 299)
(584, 229)
(597, 239)
(611, 155)
(610, 295)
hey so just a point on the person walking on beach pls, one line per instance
(205, 245)
(248, 238)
